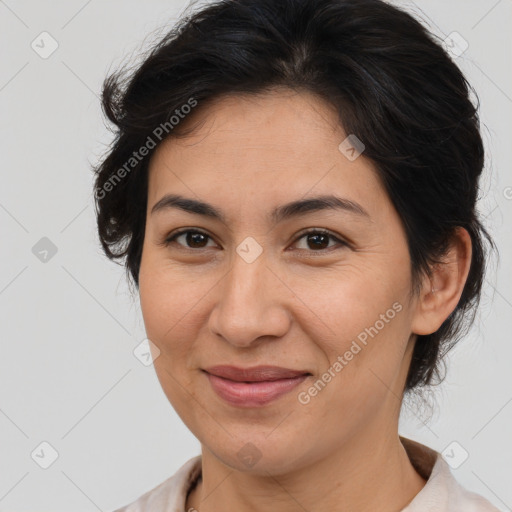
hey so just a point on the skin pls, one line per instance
(296, 306)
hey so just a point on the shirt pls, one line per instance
(441, 493)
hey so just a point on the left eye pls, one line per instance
(196, 238)
(319, 238)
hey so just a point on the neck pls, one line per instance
(366, 474)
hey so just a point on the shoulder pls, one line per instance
(442, 492)
(459, 498)
(170, 495)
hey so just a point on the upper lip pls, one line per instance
(254, 373)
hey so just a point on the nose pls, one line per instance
(252, 304)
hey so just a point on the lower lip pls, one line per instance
(252, 394)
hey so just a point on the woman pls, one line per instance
(293, 185)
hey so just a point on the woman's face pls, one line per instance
(254, 290)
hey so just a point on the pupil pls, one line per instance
(191, 236)
(318, 236)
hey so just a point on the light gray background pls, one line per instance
(69, 326)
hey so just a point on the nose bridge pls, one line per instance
(246, 308)
(248, 272)
(245, 283)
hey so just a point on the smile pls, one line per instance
(255, 393)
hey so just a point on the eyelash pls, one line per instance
(173, 237)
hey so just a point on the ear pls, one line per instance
(441, 292)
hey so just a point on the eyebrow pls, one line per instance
(280, 213)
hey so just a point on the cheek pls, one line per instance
(167, 312)
(359, 381)
(361, 327)
(166, 295)
(345, 304)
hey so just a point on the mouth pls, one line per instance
(253, 387)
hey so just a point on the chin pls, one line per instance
(260, 455)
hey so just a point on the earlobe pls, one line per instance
(441, 291)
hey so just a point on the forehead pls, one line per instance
(279, 119)
(261, 149)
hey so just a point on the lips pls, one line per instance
(253, 387)
(254, 374)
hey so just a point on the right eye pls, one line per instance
(191, 236)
